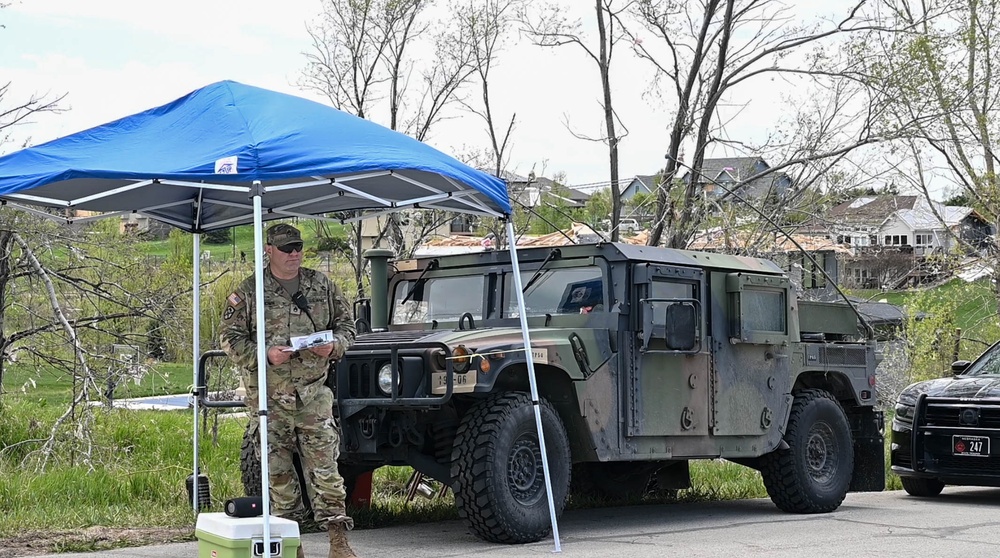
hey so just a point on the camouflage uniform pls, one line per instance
(300, 405)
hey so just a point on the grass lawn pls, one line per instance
(49, 386)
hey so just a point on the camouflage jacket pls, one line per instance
(304, 374)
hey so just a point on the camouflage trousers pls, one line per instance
(309, 430)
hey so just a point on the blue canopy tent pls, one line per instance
(231, 154)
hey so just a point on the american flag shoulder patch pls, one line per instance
(234, 299)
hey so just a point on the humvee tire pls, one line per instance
(250, 469)
(497, 469)
(926, 488)
(813, 474)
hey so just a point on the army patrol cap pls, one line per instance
(282, 235)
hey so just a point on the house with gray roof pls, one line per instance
(895, 238)
(640, 184)
(718, 177)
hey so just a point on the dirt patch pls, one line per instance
(90, 539)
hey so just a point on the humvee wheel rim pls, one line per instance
(820, 453)
(524, 470)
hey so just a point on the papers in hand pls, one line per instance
(302, 342)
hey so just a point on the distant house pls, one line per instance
(640, 184)
(814, 268)
(528, 191)
(151, 229)
(532, 191)
(893, 237)
(718, 177)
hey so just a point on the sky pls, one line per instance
(113, 58)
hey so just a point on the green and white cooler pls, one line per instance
(222, 536)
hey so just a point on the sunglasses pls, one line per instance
(289, 248)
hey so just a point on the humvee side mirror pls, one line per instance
(682, 326)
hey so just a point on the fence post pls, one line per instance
(958, 343)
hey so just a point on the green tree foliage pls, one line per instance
(220, 236)
(554, 213)
(598, 207)
(938, 317)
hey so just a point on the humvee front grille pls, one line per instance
(360, 376)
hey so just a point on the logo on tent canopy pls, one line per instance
(226, 165)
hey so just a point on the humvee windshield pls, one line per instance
(438, 298)
(578, 290)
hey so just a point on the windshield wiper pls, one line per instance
(554, 254)
(419, 280)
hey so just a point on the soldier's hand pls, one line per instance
(322, 350)
(279, 354)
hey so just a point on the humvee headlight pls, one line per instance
(460, 359)
(385, 379)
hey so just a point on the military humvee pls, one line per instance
(646, 358)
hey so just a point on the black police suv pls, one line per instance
(947, 431)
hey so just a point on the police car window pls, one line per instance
(988, 364)
(438, 298)
(558, 291)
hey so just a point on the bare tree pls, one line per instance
(487, 26)
(553, 29)
(941, 76)
(706, 52)
(363, 60)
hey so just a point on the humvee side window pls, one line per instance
(438, 298)
(764, 310)
(758, 308)
(670, 319)
(576, 290)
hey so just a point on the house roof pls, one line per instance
(578, 233)
(717, 239)
(544, 184)
(922, 219)
(869, 209)
(737, 168)
(647, 180)
(915, 211)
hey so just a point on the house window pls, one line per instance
(897, 240)
(462, 225)
(923, 239)
(812, 273)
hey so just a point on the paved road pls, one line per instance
(962, 522)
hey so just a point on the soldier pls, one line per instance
(297, 301)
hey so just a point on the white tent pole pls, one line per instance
(195, 327)
(512, 240)
(258, 269)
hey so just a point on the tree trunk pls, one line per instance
(6, 243)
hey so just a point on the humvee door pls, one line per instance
(667, 380)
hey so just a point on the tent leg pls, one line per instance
(258, 267)
(512, 240)
(196, 355)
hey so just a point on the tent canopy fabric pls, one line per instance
(191, 163)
